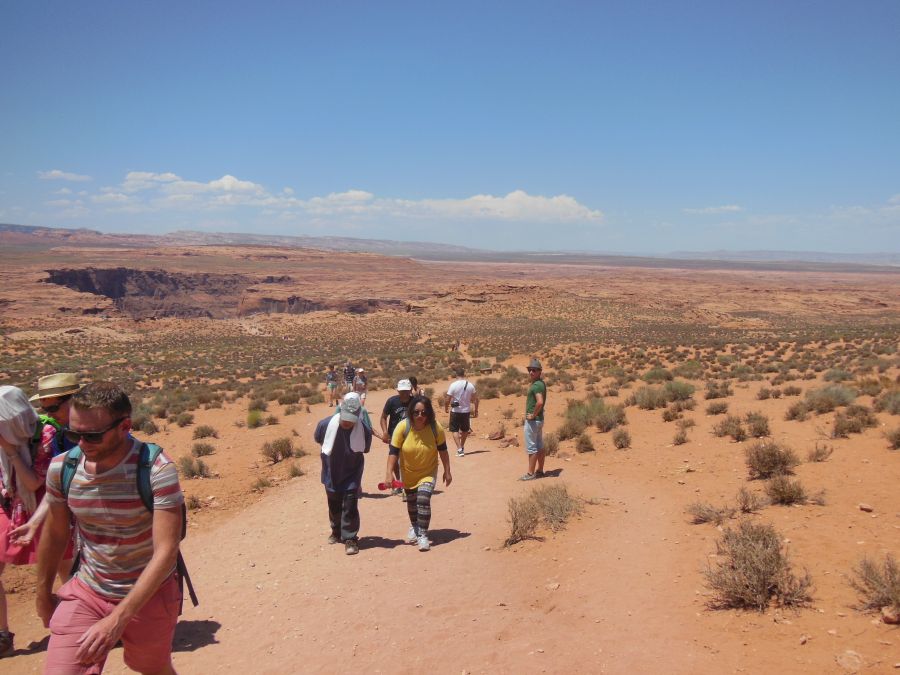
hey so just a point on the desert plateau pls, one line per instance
(689, 405)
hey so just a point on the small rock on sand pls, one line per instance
(866, 508)
(849, 661)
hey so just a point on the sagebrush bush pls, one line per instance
(681, 437)
(798, 411)
(650, 398)
(202, 449)
(205, 431)
(261, 484)
(766, 459)
(731, 426)
(717, 389)
(184, 419)
(782, 490)
(551, 505)
(701, 512)
(191, 467)
(792, 390)
(295, 471)
(584, 444)
(755, 571)
(551, 444)
(854, 420)
(717, 408)
(749, 502)
(678, 390)
(277, 450)
(878, 585)
(254, 419)
(757, 424)
(621, 439)
(893, 438)
(819, 453)
(889, 402)
(828, 398)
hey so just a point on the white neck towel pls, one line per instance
(357, 436)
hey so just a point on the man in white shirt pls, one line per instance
(461, 402)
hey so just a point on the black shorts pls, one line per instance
(459, 422)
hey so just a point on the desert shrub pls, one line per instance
(670, 414)
(783, 490)
(551, 505)
(755, 571)
(508, 414)
(792, 390)
(869, 387)
(854, 420)
(893, 438)
(290, 410)
(768, 458)
(570, 429)
(261, 484)
(584, 444)
(678, 390)
(299, 451)
(277, 450)
(757, 424)
(707, 513)
(798, 411)
(315, 397)
(649, 398)
(889, 402)
(258, 404)
(837, 375)
(254, 419)
(609, 417)
(749, 502)
(731, 426)
(717, 389)
(656, 375)
(289, 398)
(691, 370)
(184, 419)
(826, 399)
(271, 420)
(685, 423)
(202, 449)
(763, 393)
(621, 439)
(819, 453)
(205, 431)
(551, 444)
(878, 585)
(717, 408)
(192, 502)
(191, 467)
(295, 471)
(148, 427)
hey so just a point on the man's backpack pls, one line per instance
(148, 454)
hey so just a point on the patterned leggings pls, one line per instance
(418, 505)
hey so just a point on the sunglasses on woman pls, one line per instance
(56, 406)
(420, 413)
(92, 436)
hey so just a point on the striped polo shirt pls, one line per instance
(115, 528)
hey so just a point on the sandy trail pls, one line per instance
(619, 591)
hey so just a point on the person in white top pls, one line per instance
(461, 402)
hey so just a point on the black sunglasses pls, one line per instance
(56, 406)
(420, 413)
(92, 436)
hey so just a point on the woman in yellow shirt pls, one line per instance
(417, 443)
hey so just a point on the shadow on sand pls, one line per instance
(378, 542)
(554, 473)
(192, 635)
(446, 535)
(33, 647)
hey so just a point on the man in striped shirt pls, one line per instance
(125, 587)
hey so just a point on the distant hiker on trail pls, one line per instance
(361, 384)
(331, 384)
(461, 402)
(393, 413)
(417, 443)
(55, 399)
(126, 586)
(534, 421)
(26, 450)
(345, 438)
(349, 376)
(416, 389)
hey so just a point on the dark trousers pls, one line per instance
(343, 514)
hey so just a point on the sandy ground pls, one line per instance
(619, 591)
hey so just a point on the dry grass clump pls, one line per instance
(261, 484)
(621, 439)
(757, 424)
(202, 449)
(755, 571)
(766, 459)
(277, 450)
(749, 502)
(701, 512)
(680, 438)
(550, 505)
(893, 438)
(731, 426)
(295, 471)
(584, 444)
(854, 420)
(782, 490)
(878, 585)
(717, 389)
(191, 467)
(889, 402)
(819, 453)
(205, 431)
(828, 398)
(792, 390)
(717, 408)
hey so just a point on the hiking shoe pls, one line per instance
(528, 476)
(424, 544)
(6, 643)
(333, 539)
(413, 535)
(351, 547)
(460, 452)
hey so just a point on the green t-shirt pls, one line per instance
(537, 387)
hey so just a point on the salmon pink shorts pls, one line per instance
(147, 637)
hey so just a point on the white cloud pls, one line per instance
(63, 191)
(712, 210)
(895, 199)
(56, 174)
(111, 198)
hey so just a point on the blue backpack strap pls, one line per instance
(69, 467)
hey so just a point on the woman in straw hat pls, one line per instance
(26, 448)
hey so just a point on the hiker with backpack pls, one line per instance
(127, 585)
(417, 444)
(26, 449)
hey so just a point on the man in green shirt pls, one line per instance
(534, 421)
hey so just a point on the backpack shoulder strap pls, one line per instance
(69, 467)
(147, 457)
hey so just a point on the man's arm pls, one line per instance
(103, 635)
(538, 405)
(51, 547)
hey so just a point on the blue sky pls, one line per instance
(607, 126)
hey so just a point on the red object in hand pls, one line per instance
(395, 484)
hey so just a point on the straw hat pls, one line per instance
(58, 384)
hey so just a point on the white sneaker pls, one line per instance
(424, 544)
(460, 452)
(413, 535)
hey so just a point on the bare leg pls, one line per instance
(532, 462)
(3, 618)
(540, 460)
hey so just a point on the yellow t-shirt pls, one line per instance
(418, 453)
